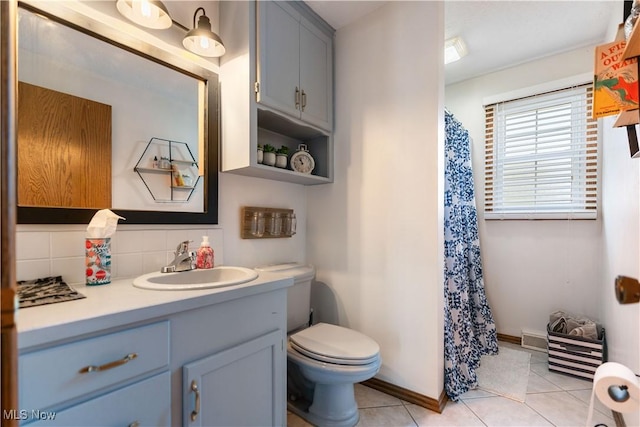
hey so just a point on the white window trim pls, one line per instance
(493, 183)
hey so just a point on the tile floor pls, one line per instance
(552, 400)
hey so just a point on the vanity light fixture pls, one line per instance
(454, 49)
(201, 40)
(148, 13)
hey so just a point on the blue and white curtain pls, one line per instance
(469, 329)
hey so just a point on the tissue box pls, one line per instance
(576, 356)
(98, 261)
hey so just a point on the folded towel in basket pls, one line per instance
(47, 290)
(565, 323)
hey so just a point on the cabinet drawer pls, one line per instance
(58, 374)
(147, 403)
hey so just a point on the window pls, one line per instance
(541, 157)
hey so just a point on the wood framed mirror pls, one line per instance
(102, 66)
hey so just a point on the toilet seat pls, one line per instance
(335, 344)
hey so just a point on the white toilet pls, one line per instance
(323, 361)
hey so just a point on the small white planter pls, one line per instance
(269, 159)
(281, 160)
(260, 155)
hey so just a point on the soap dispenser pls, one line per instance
(204, 256)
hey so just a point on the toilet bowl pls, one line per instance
(324, 361)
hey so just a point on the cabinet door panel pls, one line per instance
(316, 75)
(147, 402)
(240, 386)
(279, 56)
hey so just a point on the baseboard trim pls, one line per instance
(408, 395)
(420, 399)
(510, 339)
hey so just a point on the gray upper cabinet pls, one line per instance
(276, 88)
(295, 64)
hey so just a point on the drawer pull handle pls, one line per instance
(110, 365)
(297, 98)
(194, 388)
(304, 100)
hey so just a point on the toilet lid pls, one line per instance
(335, 344)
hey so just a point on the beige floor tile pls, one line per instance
(563, 409)
(539, 356)
(585, 397)
(500, 411)
(455, 414)
(537, 384)
(295, 421)
(368, 397)
(565, 382)
(476, 393)
(396, 416)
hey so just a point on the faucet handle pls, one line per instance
(183, 247)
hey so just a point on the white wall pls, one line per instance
(621, 244)
(531, 268)
(375, 234)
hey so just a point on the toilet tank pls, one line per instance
(298, 295)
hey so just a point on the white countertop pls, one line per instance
(120, 303)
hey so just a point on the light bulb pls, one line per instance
(145, 9)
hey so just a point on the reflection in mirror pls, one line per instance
(142, 98)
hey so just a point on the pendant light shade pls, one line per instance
(148, 13)
(201, 40)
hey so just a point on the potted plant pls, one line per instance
(260, 153)
(269, 156)
(281, 156)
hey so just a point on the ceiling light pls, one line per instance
(454, 49)
(148, 13)
(201, 40)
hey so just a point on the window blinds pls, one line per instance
(541, 157)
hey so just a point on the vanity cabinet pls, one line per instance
(276, 88)
(77, 375)
(295, 64)
(194, 362)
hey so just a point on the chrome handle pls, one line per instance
(107, 366)
(196, 411)
(297, 98)
(183, 247)
(304, 100)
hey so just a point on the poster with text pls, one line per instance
(615, 81)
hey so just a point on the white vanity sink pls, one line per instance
(196, 279)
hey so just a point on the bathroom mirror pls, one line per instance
(153, 95)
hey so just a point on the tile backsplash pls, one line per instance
(135, 250)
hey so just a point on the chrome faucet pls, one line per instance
(184, 260)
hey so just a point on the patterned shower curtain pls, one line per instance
(469, 329)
